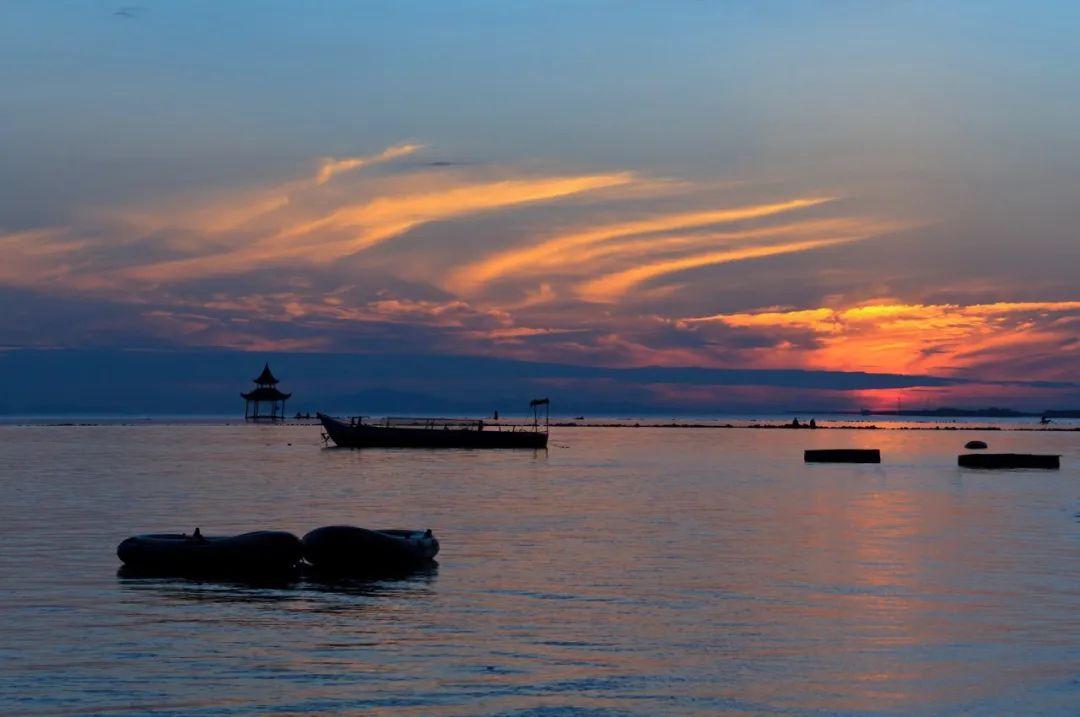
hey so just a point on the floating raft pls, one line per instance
(262, 552)
(843, 455)
(1008, 460)
(975, 445)
(352, 550)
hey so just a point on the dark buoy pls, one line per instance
(843, 455)
(975, 445)
(261, 552)
(352, 550)
(1008, 460)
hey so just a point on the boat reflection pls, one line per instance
(367, 583)
(280, 587)
(136, 577)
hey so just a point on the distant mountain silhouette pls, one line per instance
(74, 381)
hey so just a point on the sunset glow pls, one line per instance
(579, 293)
(919, 338)
(759, 221)
(540, 358)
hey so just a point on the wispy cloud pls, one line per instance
(37, 256)
(613, 286)
(233, 209)
(561, 250)
(356, 227)
(331, 166)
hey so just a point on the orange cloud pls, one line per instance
(628, 250)
(834, 319)
(538, 257)
(612, 286)
(390, 215)
(354, 228)
(330, 166)
(914, 338)
(37, 256)
(241, 207)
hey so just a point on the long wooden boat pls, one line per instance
(435, 433)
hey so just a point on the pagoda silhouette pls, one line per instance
(265, 392)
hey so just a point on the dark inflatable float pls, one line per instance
(975, 445)
(843, 455)
(261, 552)
(351, 550)
(1008, 460)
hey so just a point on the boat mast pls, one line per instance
(535, 405)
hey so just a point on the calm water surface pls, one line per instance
(624, 571)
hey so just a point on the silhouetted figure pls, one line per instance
(495, 415)
(813, 423)
(795, 422)
(197, 536)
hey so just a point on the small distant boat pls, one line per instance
(1008, 460)
(975, 445)
(400, 432)
(843, 455)
(348, 549)
(264, 551)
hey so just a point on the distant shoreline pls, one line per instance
(571, 424)
(872, 427)
(964, 413)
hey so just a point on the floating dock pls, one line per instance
(1008, 460)
(843, 455)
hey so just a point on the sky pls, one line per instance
(882, 188)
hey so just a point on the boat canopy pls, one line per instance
(430, 421)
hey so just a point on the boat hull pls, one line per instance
(345, 435)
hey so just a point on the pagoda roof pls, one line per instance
(266, 378)
(265, 393)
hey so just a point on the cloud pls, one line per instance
(356, 227)
(37, 256)
(535, 263)
(559, 250)
(612, 286)
(234, 209)
(331, 166)
(992, 340)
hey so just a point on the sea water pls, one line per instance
(622, 571)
